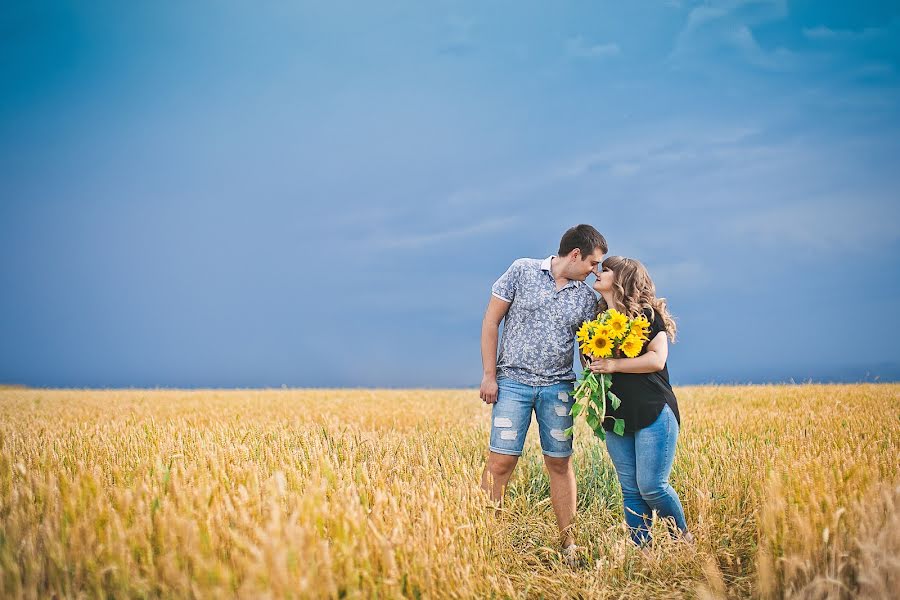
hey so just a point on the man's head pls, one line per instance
(581, 249)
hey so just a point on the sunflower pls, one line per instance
(585, 346)
(639, 327)
(631, 346)
(600, 346)
(584, 332)
(617, 323)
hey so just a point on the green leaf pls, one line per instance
(600, 433)
(568, 431)
(592, 420)
(614, 400)
(576, 409)
(619, 427)
(607, 378)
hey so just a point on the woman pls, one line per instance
(643, 456)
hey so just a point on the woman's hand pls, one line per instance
(603, 365)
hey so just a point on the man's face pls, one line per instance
(587, 265)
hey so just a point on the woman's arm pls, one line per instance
(654, 360)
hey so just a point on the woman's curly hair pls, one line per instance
(634, 289)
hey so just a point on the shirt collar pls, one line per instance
(545, 266)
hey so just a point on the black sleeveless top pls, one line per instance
(643, 395)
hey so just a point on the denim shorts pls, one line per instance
(511, 417)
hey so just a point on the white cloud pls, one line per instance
(663, 145)
(628, 158)
(582, 164)
(698, 17)
(624, 169)
(829, 226)
(876, 70)
(578, 47)
(681, 276)
(824, 33)
(859, 99)
(728, 25)
(778, 59)
(421, 240)
(459, 39)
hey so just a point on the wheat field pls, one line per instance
(791, 491)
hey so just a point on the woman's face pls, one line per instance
(605, 280)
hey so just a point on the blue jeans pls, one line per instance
(643, 461)
(511, 417)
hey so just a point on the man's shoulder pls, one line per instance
(522, 266)
(527, 263)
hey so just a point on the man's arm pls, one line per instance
(490, 327)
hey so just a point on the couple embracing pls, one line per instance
(541, 304)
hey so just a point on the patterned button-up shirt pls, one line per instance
(538, 343)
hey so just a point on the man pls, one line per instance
(543, 302)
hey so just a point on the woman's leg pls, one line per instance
(655, 452)
(637, 514)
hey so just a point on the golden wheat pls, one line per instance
(791, 491)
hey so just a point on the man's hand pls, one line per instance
(496, 312)
(603, 365)
(489, 389)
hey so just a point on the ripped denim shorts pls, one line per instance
(511, 417)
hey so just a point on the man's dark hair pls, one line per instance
(583, 237)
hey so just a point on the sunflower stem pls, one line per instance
(600, 401)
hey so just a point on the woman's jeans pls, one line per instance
(643, 461)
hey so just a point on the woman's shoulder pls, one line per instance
(649, 313)
(654, 318)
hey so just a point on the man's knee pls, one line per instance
(501, 465)
(558, 466)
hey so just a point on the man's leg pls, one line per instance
(510, 418)
(563, 495)
(496, 474)
(552, 409)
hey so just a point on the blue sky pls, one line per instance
(321, 193)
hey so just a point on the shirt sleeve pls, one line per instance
(656, 322)
(506, 287)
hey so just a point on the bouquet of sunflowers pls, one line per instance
(611, 334)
